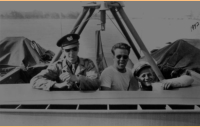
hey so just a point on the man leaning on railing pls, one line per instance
(70, 73)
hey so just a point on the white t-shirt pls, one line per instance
(114, 79)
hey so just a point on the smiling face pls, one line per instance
(71, 54)
(120, 58)
(146, 75)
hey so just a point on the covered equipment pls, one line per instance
(177, 57)
(22, 53)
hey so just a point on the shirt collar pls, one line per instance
(79, 61)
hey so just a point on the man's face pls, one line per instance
(146, 75)
(120, 58)
(71, 54)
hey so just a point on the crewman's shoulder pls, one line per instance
(109, 69)
(58, 63)
(85, 61)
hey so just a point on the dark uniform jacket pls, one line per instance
(86, 71)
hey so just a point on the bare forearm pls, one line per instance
(182, 81)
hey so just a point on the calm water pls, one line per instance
(154, 32)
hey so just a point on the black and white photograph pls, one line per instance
(99, 63)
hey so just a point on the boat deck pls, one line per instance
(20, 104)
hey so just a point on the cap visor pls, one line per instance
(70, 46)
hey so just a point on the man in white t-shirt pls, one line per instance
(117, 76)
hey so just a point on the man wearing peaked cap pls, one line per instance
(70, 73)
(69, 41)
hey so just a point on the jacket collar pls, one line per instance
(80, 65)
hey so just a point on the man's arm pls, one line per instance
(46, 79)
(89, 81)
(106, 80)
(182, 81)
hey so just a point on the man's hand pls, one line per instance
(67, 76)
(167, 84)
(64, 76)
(71, 77)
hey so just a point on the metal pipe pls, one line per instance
(125, 32)
(56, 57)
(140, 43)
(103, 19)
(79, 20)
(86, 21)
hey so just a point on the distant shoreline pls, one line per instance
(12, 14)
(98, 18)
(40, 15)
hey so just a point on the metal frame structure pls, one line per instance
(114, 7)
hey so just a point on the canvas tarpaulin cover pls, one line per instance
(23, 53)
(181, 55)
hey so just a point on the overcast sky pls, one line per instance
(132, 8)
